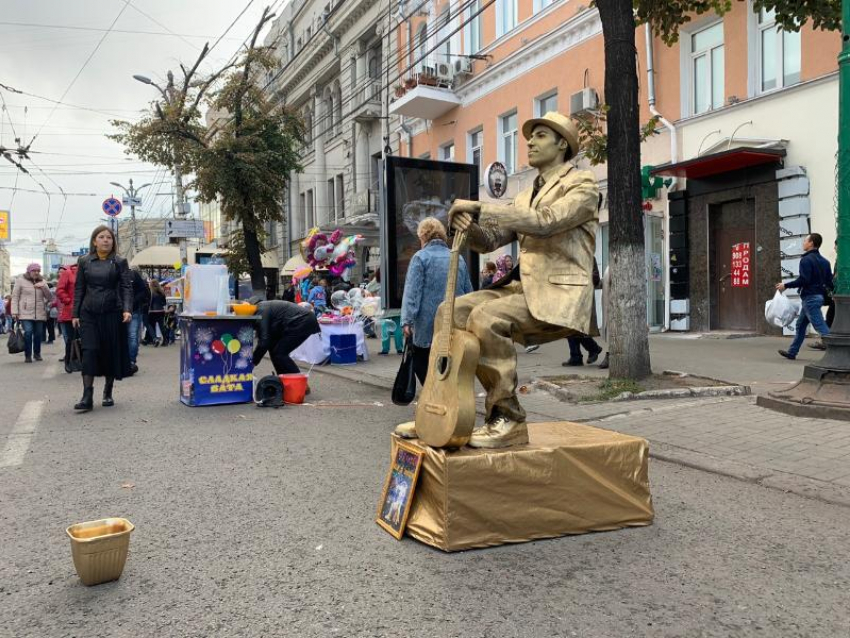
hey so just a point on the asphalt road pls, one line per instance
(253, 522)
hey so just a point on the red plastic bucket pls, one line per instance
(294, 387)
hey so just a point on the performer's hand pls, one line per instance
(126, 317)
(462, 213)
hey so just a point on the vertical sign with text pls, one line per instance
(741, 265)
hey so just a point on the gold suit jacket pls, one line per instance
(557, 238)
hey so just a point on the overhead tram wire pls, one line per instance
(124, 31)
(157, 22)
(82, 68)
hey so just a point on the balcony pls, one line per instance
(367, 101)
(424, 96)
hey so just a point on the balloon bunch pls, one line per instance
(334, 252)
(227, 347)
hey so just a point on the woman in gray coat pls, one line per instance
(29, 306)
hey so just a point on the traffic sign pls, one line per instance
(184, 228)
(111, 206)
(131, 201)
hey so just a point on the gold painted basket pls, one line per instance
(99, 549)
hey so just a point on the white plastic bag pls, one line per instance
(781, 311)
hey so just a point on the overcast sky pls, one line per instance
(71, 148)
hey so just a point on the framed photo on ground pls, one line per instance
(399, 487)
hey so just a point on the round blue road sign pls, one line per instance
(111, 206)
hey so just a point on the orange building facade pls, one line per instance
(747, 135)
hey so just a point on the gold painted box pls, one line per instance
(569, 479)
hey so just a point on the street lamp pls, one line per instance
(131, 196)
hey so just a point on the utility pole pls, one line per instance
(824, 390)
(132, 200)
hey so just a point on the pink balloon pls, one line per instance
(218, 346)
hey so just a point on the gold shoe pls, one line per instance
(406, 430)
(498, 433)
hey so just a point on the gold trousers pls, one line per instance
(498, 318)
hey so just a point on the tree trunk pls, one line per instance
(628, 334)
(252, 252)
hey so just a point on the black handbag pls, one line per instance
(16, 341)
(75, 361)
(404, 388)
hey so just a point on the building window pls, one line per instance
(707, 68)
(539, 5)
(779, 53)
(340, 197)
(422, 46)
(545, 104)
(311, 216)
(506, 16)
(332, 211)
(447, 152)
(472, 29)
(508, 146)
(476, 148)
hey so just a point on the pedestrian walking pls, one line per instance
(156, 314)
(283, 327)
(103, 303)
(588, 343)
(65, 296)
(30, 297)
(7, 306)
(52, 316)
(425, 290)
(141, 306)
(814, 283)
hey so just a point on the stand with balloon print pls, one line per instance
(215, 359)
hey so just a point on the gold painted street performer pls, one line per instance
(549, 295)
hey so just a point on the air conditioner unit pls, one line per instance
(584, 100)
(463, 66)
(444, 71)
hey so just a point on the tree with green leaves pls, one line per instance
(627, 333)
(242, 158)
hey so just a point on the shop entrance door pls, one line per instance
(732, 269)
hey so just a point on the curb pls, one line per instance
(802, 486)
(680, 393)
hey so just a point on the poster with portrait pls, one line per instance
(417, 189)
(399, 487)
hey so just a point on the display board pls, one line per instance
(417, 189)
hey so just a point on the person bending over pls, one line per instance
(283, 327)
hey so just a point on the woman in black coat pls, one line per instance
(103, 305)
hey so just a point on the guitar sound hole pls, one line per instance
(442, 365)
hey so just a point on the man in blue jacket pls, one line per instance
(815, 283)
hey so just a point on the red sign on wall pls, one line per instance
(741, 265)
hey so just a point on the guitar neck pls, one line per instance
(451, 288)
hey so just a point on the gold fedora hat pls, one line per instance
(561, 124)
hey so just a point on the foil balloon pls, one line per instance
(370, 307)
(339, 299)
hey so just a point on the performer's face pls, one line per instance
(545, 147)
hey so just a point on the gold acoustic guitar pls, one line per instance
(445, 415)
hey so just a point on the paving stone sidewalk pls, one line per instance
(727, 435)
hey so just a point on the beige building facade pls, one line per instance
(747, 133)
